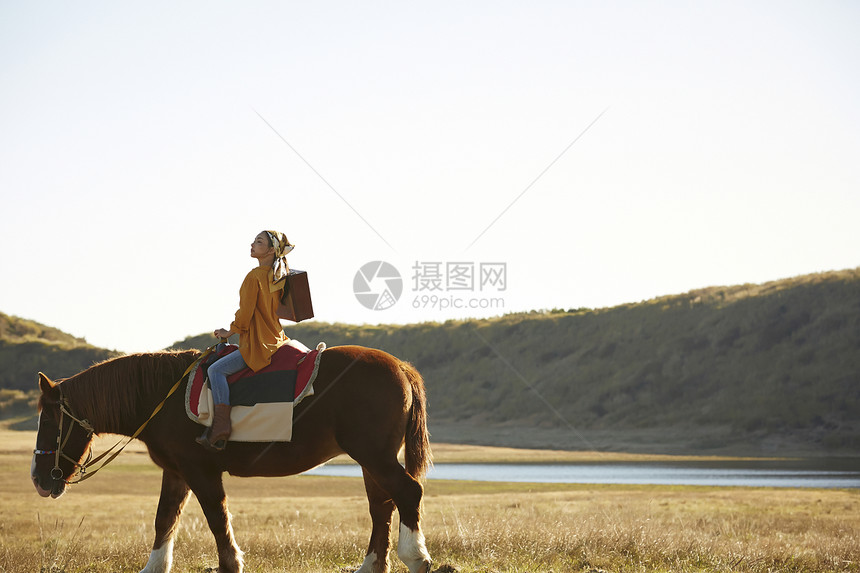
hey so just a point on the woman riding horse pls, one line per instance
(258, 327)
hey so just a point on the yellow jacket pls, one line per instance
(260, 331)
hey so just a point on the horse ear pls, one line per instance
(46, 384)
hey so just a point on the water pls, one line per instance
(843, 473)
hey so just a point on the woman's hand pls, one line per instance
(221, 333)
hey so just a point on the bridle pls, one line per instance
(65, 410)
(57, 472)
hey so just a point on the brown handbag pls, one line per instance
(296, 299)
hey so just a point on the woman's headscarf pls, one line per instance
(280, 270)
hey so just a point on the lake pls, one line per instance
(818, 473)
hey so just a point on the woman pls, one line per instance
(260, 332)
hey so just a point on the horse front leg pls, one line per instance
(209, 489)
(174, 495)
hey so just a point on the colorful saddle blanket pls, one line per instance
(263, 401)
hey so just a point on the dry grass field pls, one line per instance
(319, 524)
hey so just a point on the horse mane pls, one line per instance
(115, 394)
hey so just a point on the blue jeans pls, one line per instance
(218, 373)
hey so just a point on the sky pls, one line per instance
(472, 158)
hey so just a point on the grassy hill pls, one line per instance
(756, 369)
(751, 369)
(27, 347)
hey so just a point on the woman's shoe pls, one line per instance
(215, 437)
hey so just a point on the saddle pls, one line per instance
(263, 401)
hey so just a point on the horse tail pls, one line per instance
(417, 440)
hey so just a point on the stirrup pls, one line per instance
(203, 440)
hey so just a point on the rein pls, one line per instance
(65, 410)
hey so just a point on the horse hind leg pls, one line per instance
(406, 492)
(174, 496)
(381, 512)
(412, 549)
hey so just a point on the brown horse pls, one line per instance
(367, 404)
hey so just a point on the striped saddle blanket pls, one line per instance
(263, 401)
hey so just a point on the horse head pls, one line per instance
(61, 442)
